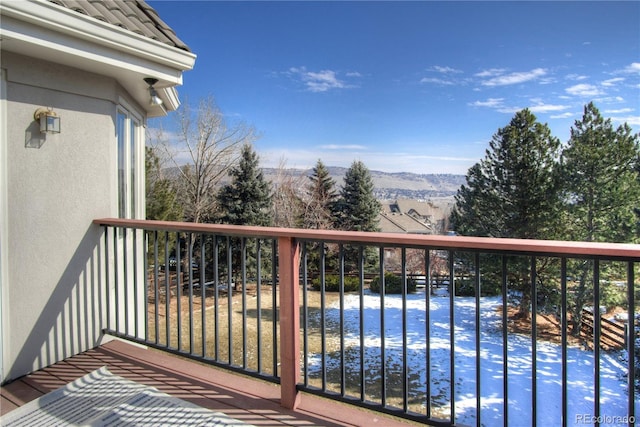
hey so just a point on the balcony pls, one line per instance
(293, 310)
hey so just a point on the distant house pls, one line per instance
(78, 67)
(413, 216)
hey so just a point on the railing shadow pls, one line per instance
(71, 320)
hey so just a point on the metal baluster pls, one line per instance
(156, 293)
(135, 283)
(167, 290)
(631, 339)
(305, 315)
(259, 302)
(116, 281)
(323, 344)
(452, 324)
(405, 369)
(107, 275)
(125, 281)
(563, 332)
(505, 344)
(383, 356)
(203, 293)
(230, 300)
(179, 283)
(274, 304)
(427, 292)
(596, 339)
(361, 308)
(534, 349)
(190, 284)
(216, 285)
(478, 341)
(243, 275)
(155, 286)
(341, 291)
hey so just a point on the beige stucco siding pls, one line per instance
(56, 187)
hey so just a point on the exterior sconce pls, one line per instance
(155, 99)
(49, 120)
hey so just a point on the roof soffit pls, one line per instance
(55, 33)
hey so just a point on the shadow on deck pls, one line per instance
(247, 399)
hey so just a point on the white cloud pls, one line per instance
(447, 81)
(437, 81)
(583, 89)
(547, 80)
(538, 106)
(618, 111)
(491, 72)
(566, 115)
(633, 68)
(630, 120)
(577, 77)
(490, 103)
(515, 78)
(444, 70)
(509, 110)
(612, 82)
(320, 81)
(342, 147)
(547, 108)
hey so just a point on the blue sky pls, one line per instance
(406, 86)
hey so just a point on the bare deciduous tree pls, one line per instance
(287, 204)
(201, 150)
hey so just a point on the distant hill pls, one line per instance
(390, 186)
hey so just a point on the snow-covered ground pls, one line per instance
(580, 363)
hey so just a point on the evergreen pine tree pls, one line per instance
(600, 180)
(357, 207)
(322, 196)
(357, 210)
(601, 191)
(513, 191)
(161, 198)
(246, 200)
(161, 203)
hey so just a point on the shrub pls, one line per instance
(332, 283)
(392, 284)
(465, 287)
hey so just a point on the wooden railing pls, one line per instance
(245, 264)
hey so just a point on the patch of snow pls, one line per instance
(548, 375)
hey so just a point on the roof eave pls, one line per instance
(61, 35)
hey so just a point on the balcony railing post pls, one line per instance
(437, 385)
(289, 286)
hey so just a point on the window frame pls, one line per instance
(130, 191)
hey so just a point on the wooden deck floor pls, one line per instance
(247, 399)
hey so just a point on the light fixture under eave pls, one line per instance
(48, 119)
(155, 99)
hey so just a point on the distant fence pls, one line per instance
(612, 334)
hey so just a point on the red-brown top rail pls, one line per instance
(489, 244)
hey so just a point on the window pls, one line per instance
(130, 165)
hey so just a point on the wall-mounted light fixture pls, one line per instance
(49, 120)
(155, 99)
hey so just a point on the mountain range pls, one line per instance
(390, 185)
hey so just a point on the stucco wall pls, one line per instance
(56, 187)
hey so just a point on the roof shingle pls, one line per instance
(133, 15)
